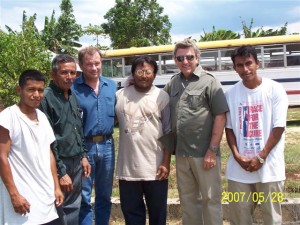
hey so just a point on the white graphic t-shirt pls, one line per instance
(253, 113)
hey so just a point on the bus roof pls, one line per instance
(203, 45)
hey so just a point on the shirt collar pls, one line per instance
(81, 80)
(57, 89)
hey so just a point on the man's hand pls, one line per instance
(254, 164)
(86, 167)
(243, 161)
(209, 160)
(20, 204)
(59, 197)
(66, 184)
(163, 171)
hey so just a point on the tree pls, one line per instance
(97, 31)
(137, 23)
(67, 31)
(260, 32)
(219, 35)
(20, 51)
(49, 36)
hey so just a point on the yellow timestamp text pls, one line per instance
(228, 197)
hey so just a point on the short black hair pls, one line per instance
(244, 51)
(30, 74)
(62, 58)
(139, 61)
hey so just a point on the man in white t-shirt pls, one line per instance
(29, 188)
(143, 164)
(255, 134)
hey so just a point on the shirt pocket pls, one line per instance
(195, 98)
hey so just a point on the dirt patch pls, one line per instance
(292, 129)
(293, 176)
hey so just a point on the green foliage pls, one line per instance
(20, 51)
(48, 34)
(137, 23)
(248, 33)
(219, 35)
(67, 32)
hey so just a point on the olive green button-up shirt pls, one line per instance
(193, 105)
(65, 117)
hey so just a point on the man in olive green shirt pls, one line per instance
(198, 108)
(65, 116)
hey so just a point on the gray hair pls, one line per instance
(63, 58)
(187, 43)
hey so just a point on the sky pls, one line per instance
(189, 18)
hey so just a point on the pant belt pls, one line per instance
(98, 138)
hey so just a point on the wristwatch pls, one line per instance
(214, 148)
(260, 159)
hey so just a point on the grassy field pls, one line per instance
(292, 159)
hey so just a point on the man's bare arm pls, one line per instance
(59, 197)
(20, 204)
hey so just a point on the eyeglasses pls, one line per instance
(180, 58)
(142, 72)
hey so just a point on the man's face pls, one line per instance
(246, 67)
(186, 60)
(63, 78)
(143, 77)
(91, 66)
(31, 94)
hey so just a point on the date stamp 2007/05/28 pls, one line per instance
(228, 197)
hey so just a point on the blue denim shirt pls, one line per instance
(98, 110)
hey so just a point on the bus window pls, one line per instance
(209, 60)
(168, 65)
(226, 63)
(293, 54)
(273, 56)
(106, 68)
(112, 67)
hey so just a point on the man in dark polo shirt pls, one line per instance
(65, 116)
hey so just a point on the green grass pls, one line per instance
(292, 159)
(293, 113)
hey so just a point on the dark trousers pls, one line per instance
(53, 222)
(69, 211)
(132, 194)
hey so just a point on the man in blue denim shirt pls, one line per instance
(96, 95)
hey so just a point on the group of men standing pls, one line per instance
(186, 118)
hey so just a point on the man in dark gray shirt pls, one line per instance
(65, 116)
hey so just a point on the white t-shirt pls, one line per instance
(29, 159)
(253, 113)
(143, 118)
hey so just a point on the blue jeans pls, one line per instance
(133, 206)
(102, 160)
